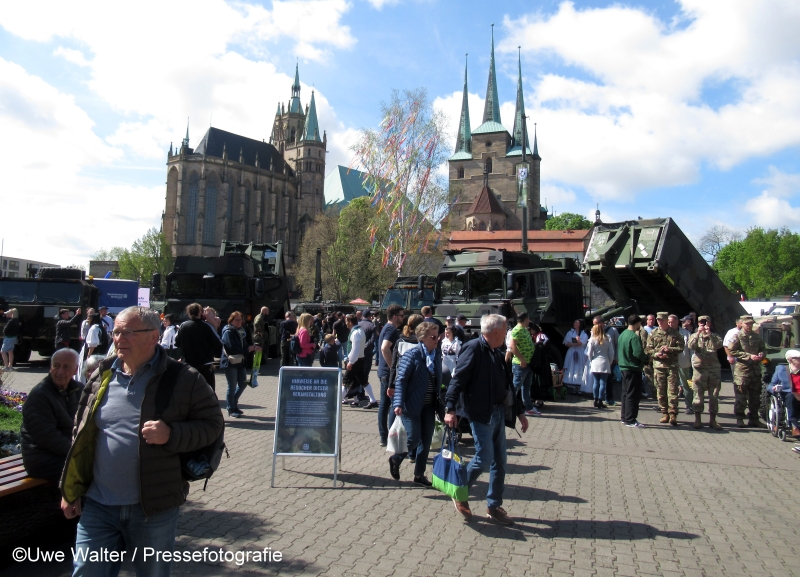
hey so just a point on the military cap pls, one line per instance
(746, 318)
(662, 316)
(704, 318)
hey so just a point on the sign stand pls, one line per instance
(308, 416)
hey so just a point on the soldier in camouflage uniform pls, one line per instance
(664, 345)
(748, 349)
(706, 377)
(261, 329)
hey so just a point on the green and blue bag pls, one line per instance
(449, 469)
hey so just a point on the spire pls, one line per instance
(278, 113)
(170, 149)
(491, 110)
(294, 103)
(186, 140)
(464, 137)
(312, 126)
(535, 145)
(519, 114)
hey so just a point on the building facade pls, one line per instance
(13, 267)
(230, 187)
(483, 167)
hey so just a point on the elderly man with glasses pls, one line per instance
(123, 472)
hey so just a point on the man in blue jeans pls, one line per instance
(122, 473)
(389, 335)
(520, 345)
(482, 377)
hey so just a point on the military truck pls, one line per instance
(649, 266)
(475, 283)
(410, 292)
(38, 301)
(319, 305)
(244, 277)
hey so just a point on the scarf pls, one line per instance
(430, 358)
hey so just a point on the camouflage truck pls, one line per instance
(244, 277)
(775, 326)
(410, 292)
(476, 283)
(38, 300)
(649, 266)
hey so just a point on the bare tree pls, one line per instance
(714, 239)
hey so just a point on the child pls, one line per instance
(329, 355)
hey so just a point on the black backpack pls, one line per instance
(201, 463)
(294, 345)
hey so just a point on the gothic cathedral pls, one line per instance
(230, 187)
(483, 167)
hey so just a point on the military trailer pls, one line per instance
(244, 278)
(508, 283)
(38, 301)
(649, 266)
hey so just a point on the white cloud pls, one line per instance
(379, 4)
(633, 116)
(771, 208)
(70, 55)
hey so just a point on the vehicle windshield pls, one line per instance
(225, 286)
(59, 293)
(395, 297)
(426, 300)
(781, 310)
(451, 285)
(186, 285)
(17, 291)
(486, 283)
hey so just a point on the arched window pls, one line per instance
(230, 211)
(293, 135)
(191, 208)
(460, 172)
(246, 215)
(489, 165)
(210, 220)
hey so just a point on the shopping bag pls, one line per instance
(256, 367)
(449, 471)
(398, 438)
(438, 435)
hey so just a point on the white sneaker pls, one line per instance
(533, 413)
(636, 425)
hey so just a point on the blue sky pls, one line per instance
(684, 109)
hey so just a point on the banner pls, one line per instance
(523, 173)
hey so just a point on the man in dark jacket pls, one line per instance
(371, 335)
(124, 460)
(47, 418)
(199, 343)
(63, 327)
(286, 330)
(482, 377)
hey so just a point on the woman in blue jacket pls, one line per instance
(237, 343)
(416, 394)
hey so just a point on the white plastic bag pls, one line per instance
(438, 435)
(398, 438)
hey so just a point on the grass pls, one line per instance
(10, 420)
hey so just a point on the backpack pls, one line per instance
(102, 348)
(200, 463)
(294, 345)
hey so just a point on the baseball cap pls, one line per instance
(461, 317)
(366, 313)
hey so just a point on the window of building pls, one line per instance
(489, 165)
(246, 215)
(210, 220)
(460, 172)
(191, 208)
(230, 211)
(292, 137)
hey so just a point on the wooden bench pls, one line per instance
(14, 478)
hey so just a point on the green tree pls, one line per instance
(568, 221)
(147, 255)
(765, 263)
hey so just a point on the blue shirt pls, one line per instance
(391, 334)
(116, 458)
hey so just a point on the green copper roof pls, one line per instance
(535, 145)
(312, 127)
(517, 136)
(517, 151)
(488, 127)
(461, 155)
(491, 110)
(464, 137)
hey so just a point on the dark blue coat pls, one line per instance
(412, 380)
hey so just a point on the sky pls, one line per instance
(684, 109)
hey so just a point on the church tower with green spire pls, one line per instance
(482, 168)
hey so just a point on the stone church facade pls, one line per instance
(230, 187)
(483, 167)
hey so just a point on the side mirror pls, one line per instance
(260, 287)
(421, 282)
(509, 294)
(155, 284)
(510, 282)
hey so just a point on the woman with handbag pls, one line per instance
(416, 396)
(237, 344)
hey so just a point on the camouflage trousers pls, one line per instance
(706, 382)
(747, 391)
(666, 383)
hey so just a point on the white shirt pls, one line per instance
(168, 338)
(685, 358)
(93, 336)
(729, 336)
(357, 341)
(450, 351)
(108, 322)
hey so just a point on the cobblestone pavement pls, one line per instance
(589, 497)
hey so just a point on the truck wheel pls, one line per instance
(22, 354)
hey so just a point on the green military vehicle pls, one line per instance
(244, 278)
(410, 292)
(476, 283)
(649, 266)
(38, 301)
(319, 305)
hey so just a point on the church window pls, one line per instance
(460, 172)
(291, 138)
(210, 220)
(488, 143)
(489, 165)
(246, 215)
(230, 211)
(191, 208)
